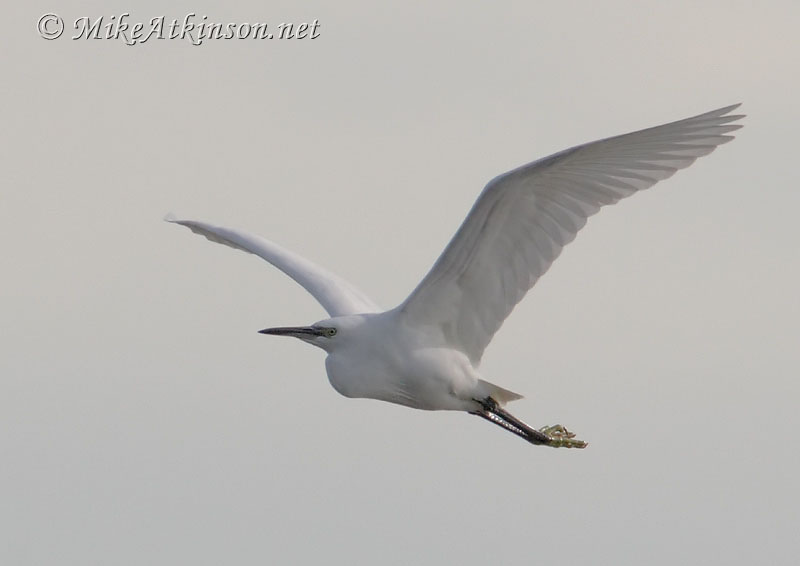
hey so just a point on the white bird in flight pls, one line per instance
(425, 352)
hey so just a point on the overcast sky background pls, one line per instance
(144, 421)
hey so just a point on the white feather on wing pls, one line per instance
(336, 295)
(523, 219)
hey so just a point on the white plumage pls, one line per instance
(425, 353)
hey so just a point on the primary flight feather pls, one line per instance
(425, 352)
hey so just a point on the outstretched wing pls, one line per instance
(523, 219)
(336, 295)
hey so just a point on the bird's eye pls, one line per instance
(330, 332)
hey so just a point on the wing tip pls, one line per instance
(726, 109)
(173, 219)
(720, 114)
(725, 112)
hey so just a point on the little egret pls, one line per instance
(425, 352)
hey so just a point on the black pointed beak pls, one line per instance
(295, 331)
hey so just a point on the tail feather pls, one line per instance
(502, 396)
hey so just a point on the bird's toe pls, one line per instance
(560, 437)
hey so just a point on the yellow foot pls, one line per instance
(560, 437)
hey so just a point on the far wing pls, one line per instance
(336, 295)
(523, 219)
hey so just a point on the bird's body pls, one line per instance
(382, 358)
(425, 352)
(379, 356)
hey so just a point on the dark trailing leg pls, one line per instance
(555, 436)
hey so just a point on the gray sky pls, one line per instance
(144, 421)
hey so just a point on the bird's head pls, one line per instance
(326, 334)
